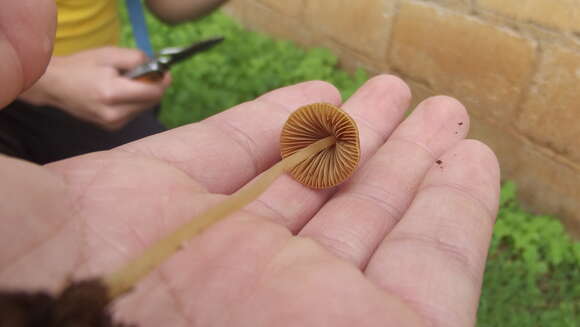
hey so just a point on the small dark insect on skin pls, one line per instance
(460, 123)
(438, 162)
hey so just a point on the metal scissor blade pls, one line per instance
(184, 53)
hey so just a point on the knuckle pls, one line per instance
(106, 96)
(136, 56)
(155, 93)
(110, 116)
(141, 56)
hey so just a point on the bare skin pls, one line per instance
(297, 256)
(26, 34)
(403, 243)
(90, 86)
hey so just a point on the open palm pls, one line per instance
(402, 243)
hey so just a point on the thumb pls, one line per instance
(122, 58)
(26, 35)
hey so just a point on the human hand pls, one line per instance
(27, 29)
(402, 243)
(89, 85)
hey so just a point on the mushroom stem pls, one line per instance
(123, 280)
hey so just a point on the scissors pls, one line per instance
(154, 69)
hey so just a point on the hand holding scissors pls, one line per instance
(154, 69)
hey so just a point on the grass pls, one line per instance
(241, 68)
(533, 273)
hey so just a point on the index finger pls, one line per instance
(227, 150)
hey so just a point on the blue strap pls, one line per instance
(137, 18)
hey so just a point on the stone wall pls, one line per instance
(515, 64)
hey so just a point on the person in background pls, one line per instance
(83, 103)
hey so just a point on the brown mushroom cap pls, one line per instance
(332, 165)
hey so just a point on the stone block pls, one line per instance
(261, 18)
(460, 5)
(482, 65)
(362, 25)
(551, 113)
(292, 8)
(558, 14)
(545, 185)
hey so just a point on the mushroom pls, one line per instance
(332, 165)
(320, 148)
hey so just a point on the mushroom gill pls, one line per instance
(332, 165)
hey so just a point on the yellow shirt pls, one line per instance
(85, 24)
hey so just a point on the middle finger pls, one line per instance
(377, 107)
(358, 217)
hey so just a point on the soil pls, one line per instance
(81, 304)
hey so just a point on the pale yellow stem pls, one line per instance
(125, 279)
